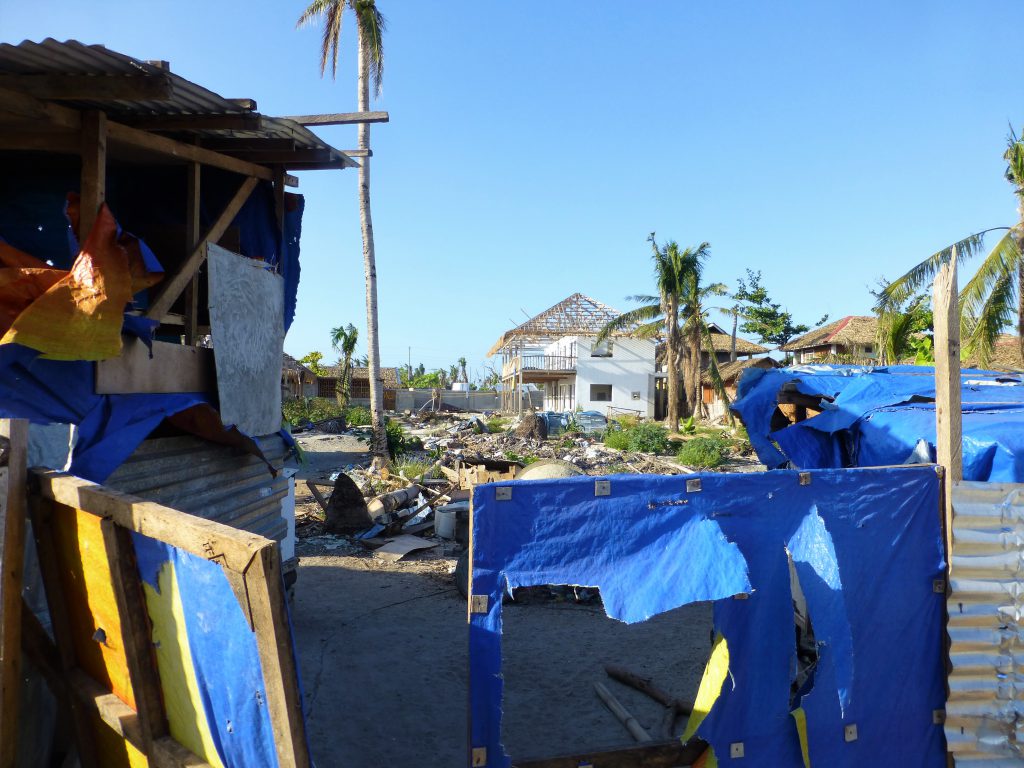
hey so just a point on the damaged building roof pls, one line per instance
(147, 96)
(852, 329)
(578, 315)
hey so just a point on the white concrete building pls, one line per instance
(557, 351)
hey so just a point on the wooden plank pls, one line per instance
(94, 170)
(39, 511)
(28, 108)
(234, 549)
(173, 368)
(357, 152)
(136, 634)
(233, 122)
(340, 118)
(174, 285)
(12, 561)
(311, 484)
(295, 157)
(153, 87)
(67, 143)
(230, 145)
(948, 409)
(277, 658)
(193, 224)
(162, 145)
(668, 754)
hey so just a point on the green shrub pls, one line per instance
(648, 437)
(313, 409)
(496, 424)
(702, 452)
(358, 416)
(399, 443)
(617, 439)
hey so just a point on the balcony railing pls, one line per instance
(538, 363)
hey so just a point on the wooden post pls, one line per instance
(948, 412)
(12, 558)
(192, 235)
(94, 170)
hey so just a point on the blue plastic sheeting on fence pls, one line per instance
(224, 682)
(866, 547)
(290, 249)
(879, 416)
(110, 427)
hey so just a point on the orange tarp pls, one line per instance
(75, 314)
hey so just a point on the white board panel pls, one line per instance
(247, 326)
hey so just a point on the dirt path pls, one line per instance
(383, 656)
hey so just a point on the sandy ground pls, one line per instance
(383, 654)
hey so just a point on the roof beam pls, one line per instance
(340, 118)
(21, 105)
(92, 87)
(162, 145)
(225, 144)
(334, 166)
(239, 122)
(295, 157)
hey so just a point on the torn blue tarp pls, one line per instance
(867, 550)
(880, 416)
(110, 427)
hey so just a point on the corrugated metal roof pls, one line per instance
(985, 711)
(210, 481)
(187, 99)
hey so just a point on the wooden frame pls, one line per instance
(253, 569)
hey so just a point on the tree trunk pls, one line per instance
(378, 443)
(696, 368)
(668, 307)
(1020, 304)
(732, 350)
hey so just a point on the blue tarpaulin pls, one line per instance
(866, 548)
(880, 416)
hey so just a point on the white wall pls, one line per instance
(629, 369)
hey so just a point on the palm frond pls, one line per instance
(713, 373)
(998, 311)
(641, 299)
(1003, 259)
(627, 320)
(902, 288)
(372, 26)
(650, 330)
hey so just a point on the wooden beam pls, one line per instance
(27, 107)
(173, 286)
(12, 560)
(294, 157)
(94, 171)
(249, 145)
(40, 510)
(234, 549)
(339, 165)
(340, 118)
(280, 675)
(154, 87)
(357, 152)
(233, 122)
(70, 143)
(192, 238)
(667, 754)
(164, 146)
(291, 181)
(249, 104)
(948, 408)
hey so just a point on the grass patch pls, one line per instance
(414, 470)
(314, 409)
(524, 460)
(642, 437)
(703, 453)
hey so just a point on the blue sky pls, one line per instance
(531, 149)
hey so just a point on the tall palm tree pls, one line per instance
(463, 376)
(370, 26)
(994, 297)
(677, 315)
(343, 339)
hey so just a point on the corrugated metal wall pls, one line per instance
(209, 480)
(984, 723)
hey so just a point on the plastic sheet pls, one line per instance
(879, 416)
(866, 546)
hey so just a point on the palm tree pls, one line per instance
(463, 376)
(343, 339)
(677, 315)
(995, 295)
(370, 26)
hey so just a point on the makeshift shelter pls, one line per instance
(296, 379)
(144, 219)
(359, 394)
